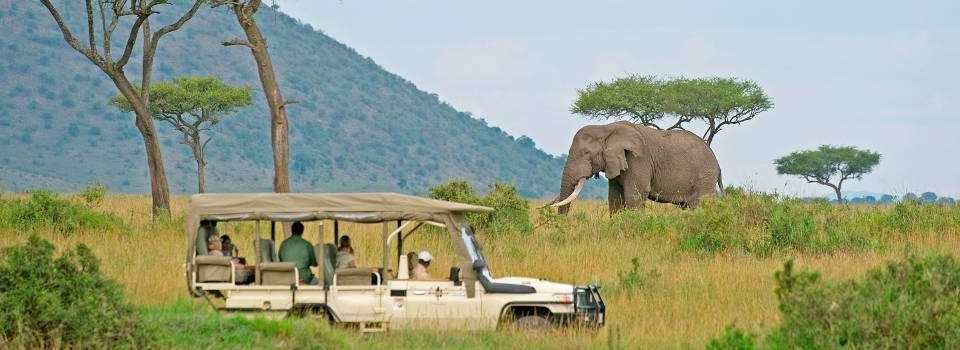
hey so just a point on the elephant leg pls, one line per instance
(636, 188)
(615, 196)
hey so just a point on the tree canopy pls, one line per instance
(829, 165)
(193, 105)
(205, 99)
(675, 102)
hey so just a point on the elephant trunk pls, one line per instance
(571, 183)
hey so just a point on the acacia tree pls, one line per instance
(649, 100)
(103, 18)
(192, 105)
(829, 165)
(244, 12)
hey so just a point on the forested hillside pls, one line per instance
(356, 127)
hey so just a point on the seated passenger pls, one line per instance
(228, 248)
(244, 273)
(423, 262)
(300, 252)
(345, 257)
(214, 247)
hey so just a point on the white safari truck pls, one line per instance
(374, 298)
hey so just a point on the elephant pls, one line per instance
(640, 163)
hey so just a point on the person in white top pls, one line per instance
(423, 262)
(345, 257)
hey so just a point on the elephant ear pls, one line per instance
(622, 139)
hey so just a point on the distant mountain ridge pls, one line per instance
(357, 127)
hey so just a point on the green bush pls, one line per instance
(733, 338)
(762, 224)
(911, 304)
(45, 209)
(66, 299)
(93, 195)
(511, 211)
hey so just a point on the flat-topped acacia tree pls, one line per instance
(103, 18)
(829, 165)
(649, 100)
(193, 105)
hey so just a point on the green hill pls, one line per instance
(357, 127)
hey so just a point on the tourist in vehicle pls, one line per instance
(214, 247)
(300, 252)
(411, 262)
(244, 273)
(228, 248)
(423, 262)
(345, 256)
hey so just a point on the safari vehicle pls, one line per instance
(376, 298)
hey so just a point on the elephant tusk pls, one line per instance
(572, 196)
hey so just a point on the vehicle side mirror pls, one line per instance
(455, 275)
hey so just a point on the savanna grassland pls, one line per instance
(671, 278)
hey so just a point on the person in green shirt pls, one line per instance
(300, 252)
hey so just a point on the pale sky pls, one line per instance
(881, 75)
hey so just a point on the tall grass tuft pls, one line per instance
(46, 209)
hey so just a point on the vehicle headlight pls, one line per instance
(563, 298)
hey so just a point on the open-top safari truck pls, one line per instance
(373, 298)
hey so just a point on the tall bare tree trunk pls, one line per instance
(279, 126)
(197, 147)
(159, 189)
(141, 10)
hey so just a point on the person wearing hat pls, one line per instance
(423, 262)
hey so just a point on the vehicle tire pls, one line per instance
(533, 323)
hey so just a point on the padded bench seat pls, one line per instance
(214, 269)
(278, 273)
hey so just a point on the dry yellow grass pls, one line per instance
(691, 299)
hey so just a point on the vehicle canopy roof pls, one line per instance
(355, 207)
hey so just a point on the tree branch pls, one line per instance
(679, 124)
(68, 36)
(176, 25)
(251, 7)
(237, 42)
(131, 41)
(90, 30)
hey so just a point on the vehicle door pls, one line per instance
(440, 304)
(358, 303)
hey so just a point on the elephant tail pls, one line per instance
(720, 181)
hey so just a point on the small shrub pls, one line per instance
(47, 299)
(763, 224)
(511, 212)
(635, 277)
(93, 195)
(45, 209)
(733, 338)
(908, 304)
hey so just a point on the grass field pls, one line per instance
(677, 298)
